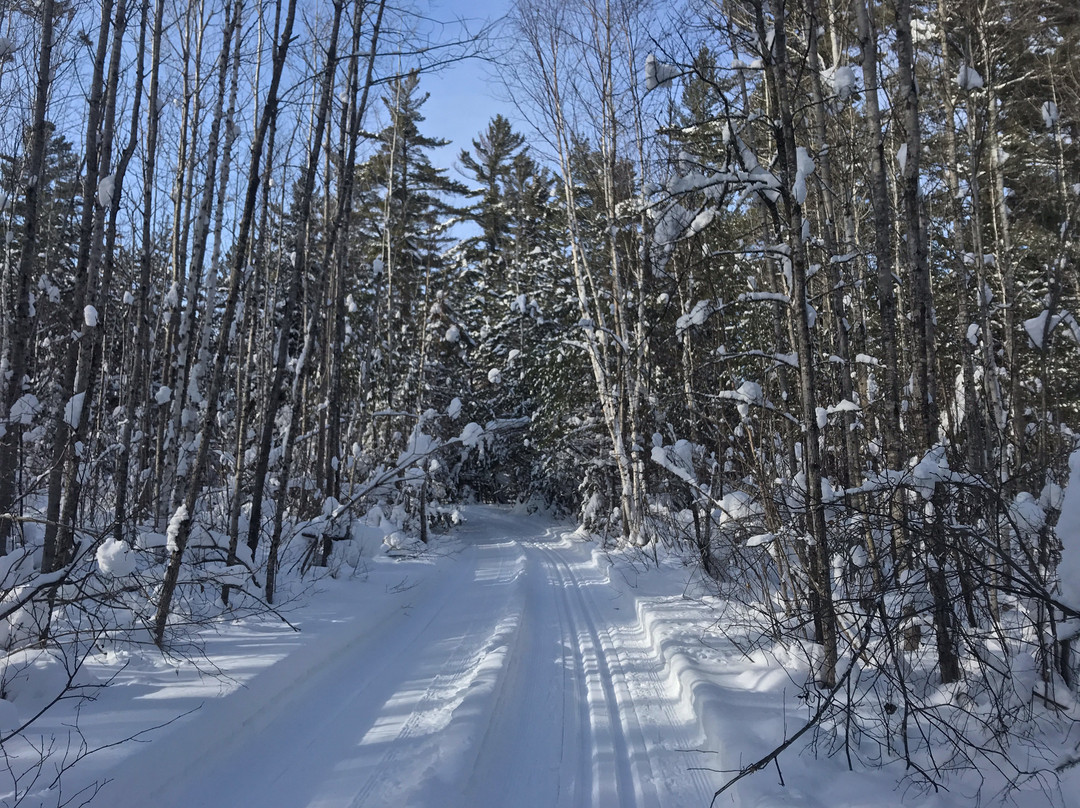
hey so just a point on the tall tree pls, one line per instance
(406, 203)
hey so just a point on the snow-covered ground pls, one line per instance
(515, 665)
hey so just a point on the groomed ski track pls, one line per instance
(517, 674)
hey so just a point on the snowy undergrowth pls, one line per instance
(882, 736)
(69, 639)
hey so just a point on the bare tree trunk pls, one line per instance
(175, 349)
(848, 467)
(13, 357)
(777, 72)
(307, 192)
(337, 248)
(292, 307)
(141, 352)
(603, 329)
(59, 541)
(184, 515)
(883, 227)
(195, 337)
(974, 428)
(1006, 270)
(924, 387)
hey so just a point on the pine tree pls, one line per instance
(491, 164)
(405, 211)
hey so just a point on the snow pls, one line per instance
(924, 31)
(931, 468)
(453, 334)
(472, 433)
(9, 716)
(696, 316)
(494, 376)
(804, 168)
(106, 188)
(129, 299)
(175, 524)
(150, 540)
(454, 410)
(517, 660)
(115, 558)
(841, 80)
(73, 410)
(163, 394)
(748, 393)
(501, 669)
(24, 409)
(90, 316)
(701, 221)
(901, 157)
(844, 405)
(677, 459)
(657, 73)
(736, 506)
(1027, 515)
(1068, 532)
(1036, 327)
(968, 78)
(1049, 114)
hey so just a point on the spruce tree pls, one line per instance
(406, 208)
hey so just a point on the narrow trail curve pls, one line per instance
(518, 676)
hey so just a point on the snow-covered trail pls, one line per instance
(518, 674)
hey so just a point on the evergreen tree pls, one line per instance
(491, 164)
(406, 209)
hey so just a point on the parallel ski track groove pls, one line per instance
(460, 661)
(636, 766)
(589, 647)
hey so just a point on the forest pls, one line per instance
(790, 285)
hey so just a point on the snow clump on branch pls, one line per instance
(657, 73)
(1050, 114)
(841, 80)
(173, 531)
(105, 191)
(115, 558)
(804, 168)
(968, 79)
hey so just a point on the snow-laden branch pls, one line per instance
(470, 436)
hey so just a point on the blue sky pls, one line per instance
(465, 96)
